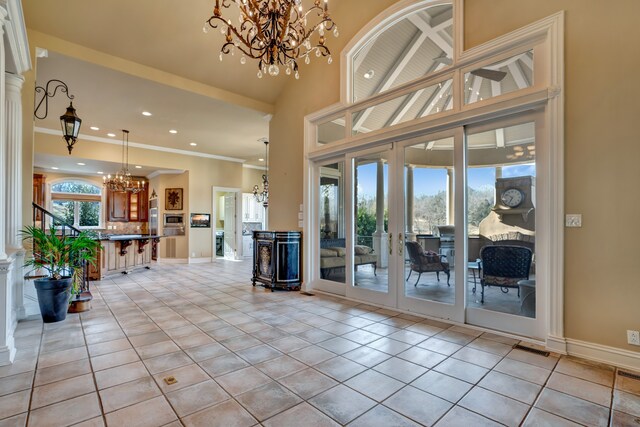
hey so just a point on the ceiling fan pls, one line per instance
(485, 73)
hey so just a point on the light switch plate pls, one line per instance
(300, 224)
(573, 220)
(300, 215)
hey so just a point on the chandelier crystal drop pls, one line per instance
(123, 181)
(262, 196)
(275, 32)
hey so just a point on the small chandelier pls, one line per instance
(274, 32)
(263, 196)
(122, 181)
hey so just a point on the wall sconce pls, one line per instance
(69, 121)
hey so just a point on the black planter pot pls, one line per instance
(53, 298)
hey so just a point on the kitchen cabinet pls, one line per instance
(117, 206)
(139, 206)
(39, 192)
(125, 207)
(247, 245)
(252, 210)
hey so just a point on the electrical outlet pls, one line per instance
(633, 337)
(573, 220)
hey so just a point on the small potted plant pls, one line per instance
(58, 256)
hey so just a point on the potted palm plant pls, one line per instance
(58, 256)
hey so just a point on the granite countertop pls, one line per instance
(117, 237)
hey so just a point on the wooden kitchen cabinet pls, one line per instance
(117, 206)
(125, 207)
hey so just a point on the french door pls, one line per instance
(404, 225)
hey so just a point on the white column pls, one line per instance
(7, 348)
(4, 176)
(450, 213)
(13, 115)
(380, 242)
(410, 236)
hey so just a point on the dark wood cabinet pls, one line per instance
(39, 192)
(125, 207)
(117, 206)
(143, 205)
(277, 259)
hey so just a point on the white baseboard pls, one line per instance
(556, 344)
(7, 353)
(601, 353)
(204, 260)
(173, 261)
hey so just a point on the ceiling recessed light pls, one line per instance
(112, 135)
(173, 131)
(81, 164)
(146, 113)
(54, 168)
(94, 128)
(138, 167)
(369, 74)
(100, 173)
(193, 144)
(261, 160)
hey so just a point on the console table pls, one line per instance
(277, 260)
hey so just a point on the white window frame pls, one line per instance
(73, 198)
(546, 37)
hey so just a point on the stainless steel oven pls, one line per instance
(173, 224)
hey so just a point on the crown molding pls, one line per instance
(143, 146)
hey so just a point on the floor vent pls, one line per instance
(629, 375)
(532, 350)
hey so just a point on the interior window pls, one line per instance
(77, 203)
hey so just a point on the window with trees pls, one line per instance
(77, 203)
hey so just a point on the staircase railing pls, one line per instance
(44, 219)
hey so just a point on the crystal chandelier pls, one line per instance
(122, 181)
(263, 196)
(275, 32)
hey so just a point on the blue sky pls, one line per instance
(431, 181)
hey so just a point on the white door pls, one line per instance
(430, 186)
(505, 152)
(373, 238)
(230, 226)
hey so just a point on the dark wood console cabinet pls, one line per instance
(277, 259)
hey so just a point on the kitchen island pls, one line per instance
(122, 254)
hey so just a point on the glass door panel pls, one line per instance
(372, 245)
(501, 224)
(332, 251)
(429, 284)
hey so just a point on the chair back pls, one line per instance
(414, 249)
(506, 261)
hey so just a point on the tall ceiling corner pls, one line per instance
(18, 57)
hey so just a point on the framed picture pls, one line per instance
(200, 220)
(173, 199)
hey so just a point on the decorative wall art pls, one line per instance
(200, 220)
(173, 199)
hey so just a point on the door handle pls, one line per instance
(400, 244)
(390, 243)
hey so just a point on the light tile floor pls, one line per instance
(244, 356)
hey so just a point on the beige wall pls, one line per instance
(601, 145)
(251, 177)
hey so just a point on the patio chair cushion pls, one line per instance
(339, 251)
(362, 250)
(327, 252)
